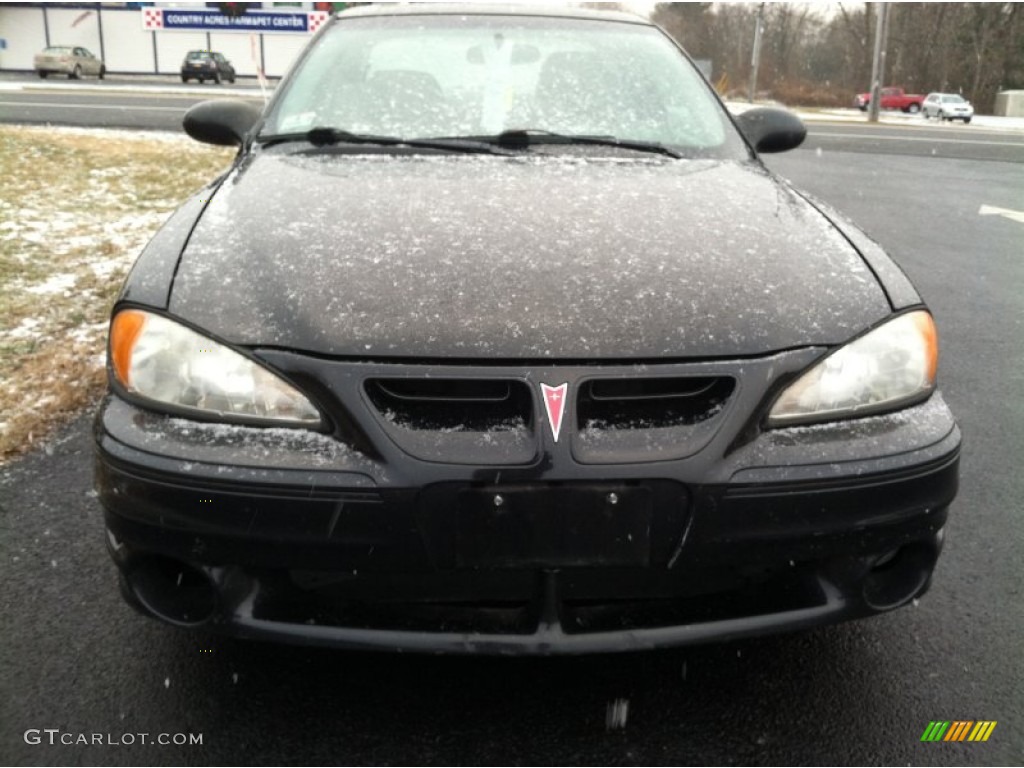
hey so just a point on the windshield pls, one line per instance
(469, 76)
(952, 99)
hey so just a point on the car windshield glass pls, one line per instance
(472, 76)
(952, 99)
(198, 55)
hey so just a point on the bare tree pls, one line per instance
(974, 48)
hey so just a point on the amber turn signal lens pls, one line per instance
(124, 332)
(926, 327)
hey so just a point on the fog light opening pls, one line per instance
(885, 559)
(174, 591)
(898, 576)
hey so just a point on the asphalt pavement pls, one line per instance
(75, 659)
(111, 104)
(925, 139)
(159, 104)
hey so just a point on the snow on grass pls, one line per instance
(59, 283)
(76, 207)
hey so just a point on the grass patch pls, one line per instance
(76, 208)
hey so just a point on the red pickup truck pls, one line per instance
(892, 98)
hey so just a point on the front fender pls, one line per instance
(150, 279)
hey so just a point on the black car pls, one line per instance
(206, 65)
(498, 337)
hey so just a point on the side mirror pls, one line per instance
(772, 130)
(223, 122)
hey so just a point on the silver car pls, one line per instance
(947, 106)
(71, 60)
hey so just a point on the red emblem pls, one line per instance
(554, 402)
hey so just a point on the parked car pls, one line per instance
(948, 106)
(206, 65)
(891, 98)
(498, 337)
(71, 60)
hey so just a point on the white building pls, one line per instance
(154, 39)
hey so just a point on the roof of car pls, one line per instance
(467, 9)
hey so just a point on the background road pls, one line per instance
(946, 140)
(161, 106)
(73, 657)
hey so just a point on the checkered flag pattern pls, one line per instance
(317, 19)
(152, 18)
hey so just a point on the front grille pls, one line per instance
(582, 601)
(461, 421)
(643, 419)
(410, 602)
(650, 403)
(777, 593)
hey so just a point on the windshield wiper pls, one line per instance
(320, 137)
(523, 138)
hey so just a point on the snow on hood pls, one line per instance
(509, 258)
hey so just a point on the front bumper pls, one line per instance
(276, 535)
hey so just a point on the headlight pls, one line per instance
(892, 366)
(163, 361)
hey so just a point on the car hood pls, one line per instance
(518, 258)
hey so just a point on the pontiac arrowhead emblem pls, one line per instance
(554, 402)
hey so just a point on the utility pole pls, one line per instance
(878, 62)
(755, 57)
